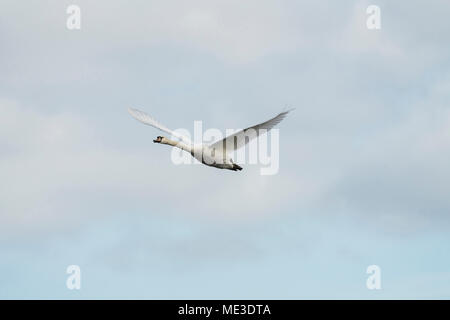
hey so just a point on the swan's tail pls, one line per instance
(236, 167)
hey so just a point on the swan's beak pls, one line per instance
(158, 139)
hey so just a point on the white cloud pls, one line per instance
(56, 172)
(399, 179)
(235, 31)
(60, 162)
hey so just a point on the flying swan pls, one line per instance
(215, 154)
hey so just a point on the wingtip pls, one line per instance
(134, 112)
(286, 111)
(289, 110)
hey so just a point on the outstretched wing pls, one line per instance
(238, 139)
(148, 120)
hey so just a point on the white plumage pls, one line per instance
(215, 154)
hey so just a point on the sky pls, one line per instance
(364, 172)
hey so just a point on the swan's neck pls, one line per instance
(178, 144)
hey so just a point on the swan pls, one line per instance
(215, 154)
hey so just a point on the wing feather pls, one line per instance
(148, 120)
(240, 136)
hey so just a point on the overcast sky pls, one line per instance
(364, 159)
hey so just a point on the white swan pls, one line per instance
(215, 154)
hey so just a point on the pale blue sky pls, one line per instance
(364, 174)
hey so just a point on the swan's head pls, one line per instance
(158, 139)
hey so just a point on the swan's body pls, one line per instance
(215, 154)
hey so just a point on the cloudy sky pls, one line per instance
(364, 159)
